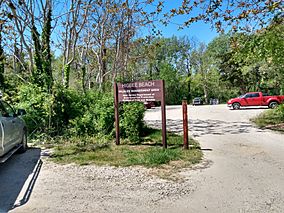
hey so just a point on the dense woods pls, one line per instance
(59, 60)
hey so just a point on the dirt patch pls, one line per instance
(277, 127)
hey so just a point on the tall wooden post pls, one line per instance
(116, 114)
(163, 106)
(185, 124)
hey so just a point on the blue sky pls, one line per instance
(199, 30)
(203, 32)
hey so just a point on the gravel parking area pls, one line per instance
(242, 171)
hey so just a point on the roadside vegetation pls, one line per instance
(272, 119)
(148, 152)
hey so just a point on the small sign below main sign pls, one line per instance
(141, 91)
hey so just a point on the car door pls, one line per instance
(246, 100)
(255, 99)
(9, 124)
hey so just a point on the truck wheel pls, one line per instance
(24, 144)
(273, 104)
(236, 106)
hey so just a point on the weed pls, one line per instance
(148, 153)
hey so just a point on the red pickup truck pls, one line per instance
(255, 99)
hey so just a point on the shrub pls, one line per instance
(67, 106)
(104, 114)
(97, 115)
(38, 105)
(131, 121)
(270, 117)
(72, 113)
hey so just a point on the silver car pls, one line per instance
(13, 131)
(197, 101)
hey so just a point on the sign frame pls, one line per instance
(141, 91)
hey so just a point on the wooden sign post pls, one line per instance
(116, 115)
(141, 91)
(185, 124)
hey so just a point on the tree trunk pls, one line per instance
(104, 67)
(46, 54)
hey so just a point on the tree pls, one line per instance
(30, 15)
(200, 63)
(238, 15)
(73, 23)
(168, 59)
(252, 61)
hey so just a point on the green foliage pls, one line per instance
(37, 75)
(46, 55)
(153, 156)
(104, 114)
(73, 113)
(254, 62)
(66, 75)
(38, 105)
(42, 73)
(271, 117)
(148, 154)
(175, 88)
(131, 121)
(67, 106)
(96, 115)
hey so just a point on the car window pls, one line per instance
(252, 95)
(248, 96)
(6, 109)
(255, 95)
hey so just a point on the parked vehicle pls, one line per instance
(197, 101)
(214, 101)
(149, 104)
(13, 131)
(255, 99)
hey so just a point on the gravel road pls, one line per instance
(242, 171)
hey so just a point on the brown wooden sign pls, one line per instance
(141, 91)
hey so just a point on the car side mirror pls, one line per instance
(21, 112)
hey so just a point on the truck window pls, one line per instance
(255, 95)
(248, 96)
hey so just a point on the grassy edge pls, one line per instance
(271, 119)
(148, 153)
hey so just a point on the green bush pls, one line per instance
(280, 112)
(38, 105)
(97, 115)
(67, 106)
(131, 121)
(73, 113)
(270, 117)
(104, 115)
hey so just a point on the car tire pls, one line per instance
(273, 104)
(236, 105)
(24, 143)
